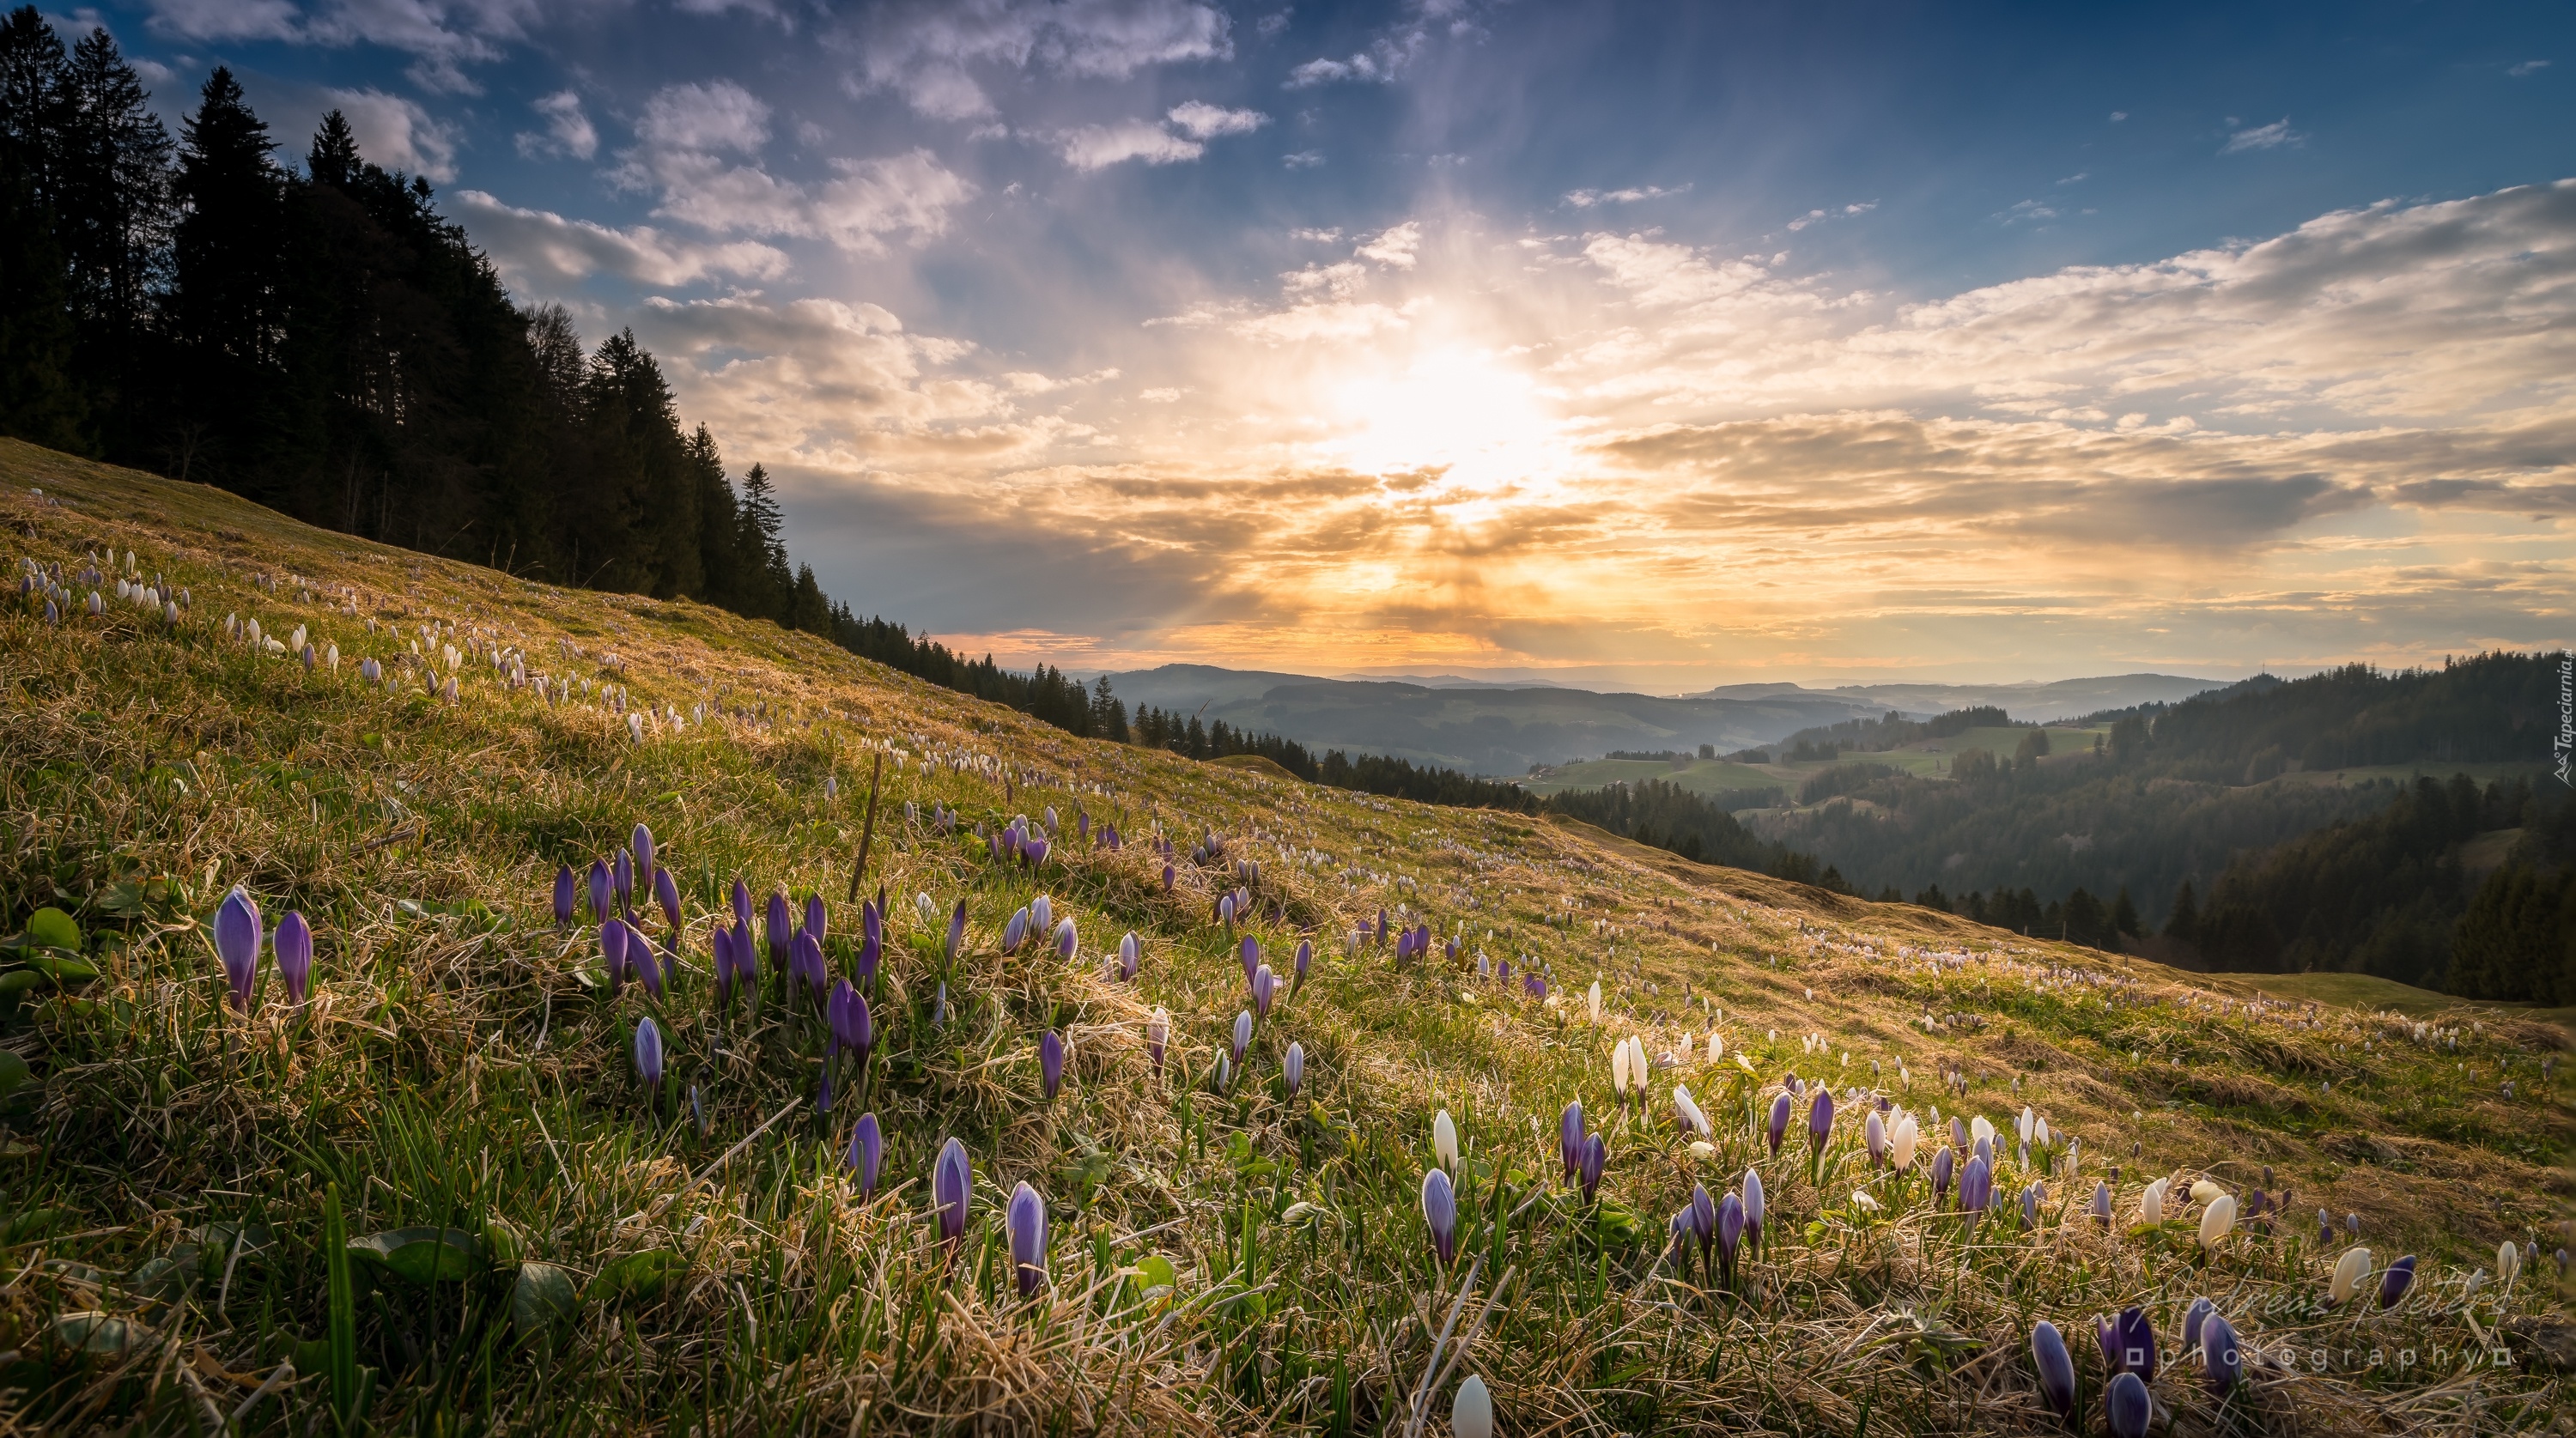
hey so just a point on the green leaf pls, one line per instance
(501, 1239)
(422, 1255)
(638, 1275)
(1154, 1275)
(54, 929)
(62, 966)
(19, 981)
(541, 1298)
(31, 1224)
(14, 1074)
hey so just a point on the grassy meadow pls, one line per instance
(435, 1196)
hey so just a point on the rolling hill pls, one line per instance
(482, 1175)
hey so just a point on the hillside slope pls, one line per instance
(1224, 1252)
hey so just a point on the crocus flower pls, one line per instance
(1873, 1132)
(1016, 931)
(1779, 1126)
(1242, 1034)
(1158, 1033)
(612, 950)
(1130, 953)
(950, 1180)
(1293, 1068)
(1250, 953)
(621, 876)
(956, 930)
(1753, 1206)
(564, 897)
(741, 903)
(2216, 1220)
(1471, 1413)
(1440, 1213)
(2349, 1271)
(2101, 1207)
(1690, 1110)
(2394, 1283)
(2031, 1198)
(1444, 1140)
(1976, 1185)
(1027, 1221)
(1820, 1118)
(1944, 1163)
(2128, 1343)
(1569, 1138)
(1902, 1142)
(1041, 914)
(2192, 1318)
(238, 940)
(1050, 1062)
(1265, 987)
(2222, 1359)
(1730, 1232)
(2126, 1406)
(1064, 937)
(2151, 1202)
(294, 947)
(1596, 1157)
(666, 892)
(867, 1152)
(807, 956)
(780, 927)
(2508, 1263)
(1703, 1220)
(816, 918)
(648, 1051)
(643, 849)
(2056, 1368)
(746, 957)
(1297, 970)
(853, 1026)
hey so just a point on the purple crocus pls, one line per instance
(643, 849)
(867, 1152)
(294, 947)
(2126, 1408)
(1034, 851)
(815, 918)
(1730, 1233)
(2128, 1343)
(1064, 937)
(666, 892)
(1976, 1185)
(1305, 956)
(1158, 1033)
(2192, 1318)
(807, 957)
(1292, 1069)
(723, 940)
(1250, 953)
(1703, 1220)
(1265, 987)
(2222, 1358)
(1130, 953)
(1242, 1034)
(1779, 1126)
(1016, 932)
(1569, 1138)
(602, 889)
(781, 930)
(956, 931)
(621, 875)
(1027, 1221)
(1820, 1118)
(565, 897)
(746, 957)
(639, 957)
(951, 1180)
(2394, 1283)
(1944, 1164)
(238, 940)
(1596, 1157)
(741, 903)
(1753, 1207)
(1167, 878)
(853, 1027)
(612, 951)
(1050, 1062)
(1440, 1213)
(2056, 1368)
(648, 1051)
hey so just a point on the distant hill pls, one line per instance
(1493, 731)
(2032, 702)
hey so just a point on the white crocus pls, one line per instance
(1471, 1413)
(2508, 1263)
(1592, 1000)
(1690, 1110)
(1444, 1140)
(1908, 1134)
(2349, 1271)
(2151, 1203)
(2204, 1191)
(2217, 1219)
(1978, 1128)
(1619, 1068)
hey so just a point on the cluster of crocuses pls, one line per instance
(239, 939)
(1720, 1227)
(1021, 842)
(1024, 1218)
(624, 947)
(2129, 1359)
(1037, 917)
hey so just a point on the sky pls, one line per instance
(1640, 345)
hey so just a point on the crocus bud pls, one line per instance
(1730, 1231)
(238, 941)
(294, 947)
(1689, 1109)
(2056, 1368)
(780, 927)
(1944, 1164)
(2394, 1283)
(1596, 1157)
(1130, 953)
(612, 951)
(643, 850)
(1873, 1132)
(1015, 932)
(1976, 1185)
(1265, 987)
(621, 876)
(1027, 1221)
(1041, 914)
(666, 892)
(2216, 1220)
(1779, 1126)
(2508, 1263)
(1064, 937)
(564, 896)
(1902, 1143)
(2101, 1206)
(2349, 1271)
(867, 1152)
(1305, 956)
(1820, 1117)
(1753, 1206)
(956, 930)
(1242, 1034)
(2192, 1318)
(1158, 1034)
(2222, 1359)
(1471, 1413)
(1444, 1140)
(2151, 1203)
(2126, 1408)
(1440, 1214)
(1050, 1062)
(2128, 1343)
(1292, 1069)
(951, 1179)
(1569, 1138)
(648, 1052)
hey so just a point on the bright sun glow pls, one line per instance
(1449, 407)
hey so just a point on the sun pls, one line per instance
(1464, 410)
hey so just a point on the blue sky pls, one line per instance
(1642, 344)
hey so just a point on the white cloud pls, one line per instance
(1395, 247)
(1202, 121)
(1302, 159)
(1586, 199)
(923, 49)
(909, 193)
(1160, 396)
(2021, 211)
(2527, 67)
(568, 130)
(721, 116)
(544, 247)
(1321, 237)
(398, 134)
(442, 36)
(2262, 137)
(2118, 115)
(1096, 147)
(1271, 24)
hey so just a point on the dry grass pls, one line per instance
(461, 1063)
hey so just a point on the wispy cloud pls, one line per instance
(2262, 137)
(568, 129)
(1096, 147)
(1586, 199)
(2527, 67)
(1202, 121)
(547, 250)
(928, 51)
